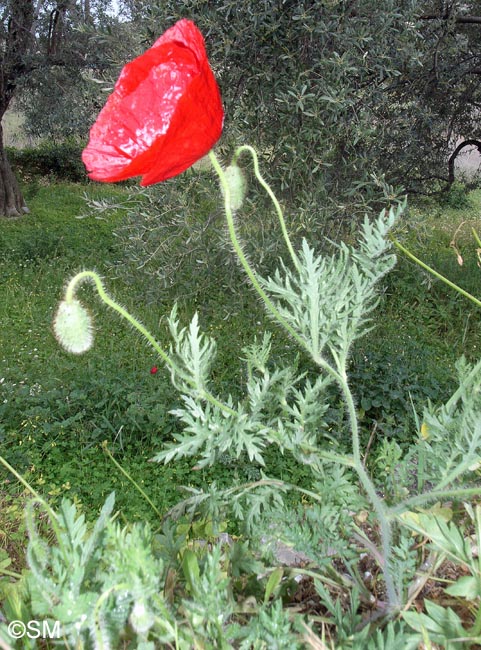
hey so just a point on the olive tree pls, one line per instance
(48, 49)
(346, 98)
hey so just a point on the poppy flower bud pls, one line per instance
(72, 326)
(237, 186)
(141, 618)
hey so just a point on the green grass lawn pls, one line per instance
(56, 409)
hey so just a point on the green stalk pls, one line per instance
(381, 510)
(435, 273)
(51, 513)
(341, 379)
(10, 574)
(451, 403)
(476, 237)
(103, 295)
(243, 260)
(435, 495)
(28, 487)
(134, 483)
(271, 194)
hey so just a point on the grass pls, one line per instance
(56, 409)
(422, 326)
(436, 234)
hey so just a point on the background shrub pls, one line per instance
(55, 160)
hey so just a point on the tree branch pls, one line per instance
(453, 156)
(459, 19)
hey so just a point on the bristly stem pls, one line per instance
(271, 194)
(243, 260)
(134, 483)
(434, 495)
(377, 502)
(338, 374)
(453, 400)
(103, 295)
(54, 520)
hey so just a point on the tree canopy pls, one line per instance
(346, 98)
(48, 49)
(350, 100)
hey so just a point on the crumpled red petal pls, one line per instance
(164, 114)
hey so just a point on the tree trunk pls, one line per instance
(454, 155)
(13, 65)
(11, 199)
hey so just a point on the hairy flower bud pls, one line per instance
(237, 186)
(72, 326)
(141, 618)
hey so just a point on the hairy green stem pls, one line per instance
(28, 487)
(451, 403)
(243, 260)
(435, 495)
(457, 471)
(377, 502)
(476, 237)
(10, 574)
(271, 194)
(103, 295)
(51, 513)
(381, 510)
(339, 376)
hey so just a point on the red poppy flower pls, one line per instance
(164, 114)
(154, 370)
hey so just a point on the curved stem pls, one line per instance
(134, 483)
(103, 295)
(243, 260)
(51, 513)
(476, 237)
(28, 487)
(451, 403)
(339, 375)
(271, 194)
(435, 273)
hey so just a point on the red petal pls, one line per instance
(164, 114)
